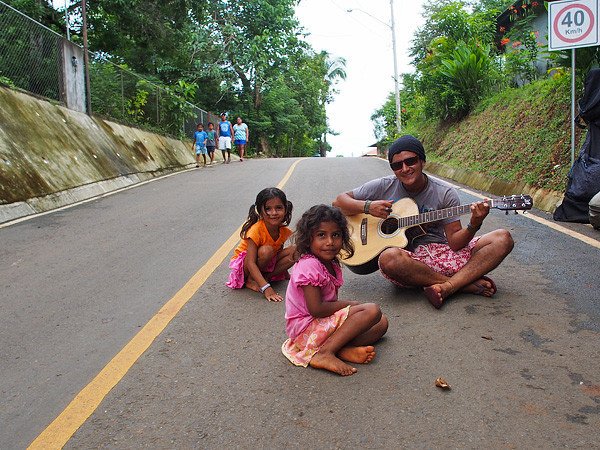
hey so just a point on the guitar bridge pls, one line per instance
(363, 231)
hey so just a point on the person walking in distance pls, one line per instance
(241, 135)
(211, 139)
(224, 133)
(199, 144)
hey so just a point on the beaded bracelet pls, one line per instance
(472, 228)
(366, 207)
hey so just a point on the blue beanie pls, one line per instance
(409, 143)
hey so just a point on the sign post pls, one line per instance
(572, 24)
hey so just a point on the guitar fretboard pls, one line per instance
(440, 214)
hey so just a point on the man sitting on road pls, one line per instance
(447, 258)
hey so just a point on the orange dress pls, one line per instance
(260, 236)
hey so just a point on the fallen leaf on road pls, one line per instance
(441, 383)
(489, 338)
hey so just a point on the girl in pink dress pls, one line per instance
(260, 256)
(325, 332)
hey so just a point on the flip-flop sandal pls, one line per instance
(481, 288)
(489, 280)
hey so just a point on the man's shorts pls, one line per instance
(240, 142)
(224, 142)
(210, 148)
(200, 149)
(440, 258)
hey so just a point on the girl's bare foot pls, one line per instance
(252, 285)
(358, 355)
(328, 361)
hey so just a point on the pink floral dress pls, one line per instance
(307, 333)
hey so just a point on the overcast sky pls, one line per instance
(366, 44)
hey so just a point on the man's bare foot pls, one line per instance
(329, 361)
(484, 286)
(358, 355)
(437, 293)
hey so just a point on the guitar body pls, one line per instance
(372, 235)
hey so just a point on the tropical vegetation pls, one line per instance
(461, 57)
(478, 98)
(246, 57)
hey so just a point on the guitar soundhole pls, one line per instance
(389, 225)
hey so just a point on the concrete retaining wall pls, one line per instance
(51, 156)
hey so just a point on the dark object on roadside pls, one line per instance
(584, 177)
(595, 211)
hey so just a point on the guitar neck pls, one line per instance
(434, 216)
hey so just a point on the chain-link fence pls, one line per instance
(36, 59)
(120, 94)
(29, 54)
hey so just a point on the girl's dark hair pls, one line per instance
(310, 221)
(259, 206)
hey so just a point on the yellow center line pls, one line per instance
(58, 433)
(574, 234)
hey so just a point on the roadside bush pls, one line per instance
(457, 79)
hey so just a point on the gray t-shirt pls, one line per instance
(437, 195)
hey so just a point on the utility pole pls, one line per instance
(86, 61)
(392, 28)
(396, 80)
(67, 20)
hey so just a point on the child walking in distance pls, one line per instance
(260, 257)
(211, 142)
(200, 144)
(325, 332)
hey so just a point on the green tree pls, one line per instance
(384, 118)
(245, 57)
(149, 35)
(450, 21)
(40, 10)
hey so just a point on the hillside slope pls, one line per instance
(520, 135)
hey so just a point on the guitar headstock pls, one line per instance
(513, 202)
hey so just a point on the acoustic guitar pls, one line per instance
(372, 235)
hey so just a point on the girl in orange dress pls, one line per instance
(261, 257)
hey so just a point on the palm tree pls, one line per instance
(336, 70)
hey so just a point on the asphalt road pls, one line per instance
(77, 285)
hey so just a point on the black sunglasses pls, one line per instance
(408, 161)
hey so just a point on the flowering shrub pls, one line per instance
(520, 61)
(525, 8)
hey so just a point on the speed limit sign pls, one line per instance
(572, 24)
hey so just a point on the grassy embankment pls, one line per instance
(519, 135)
